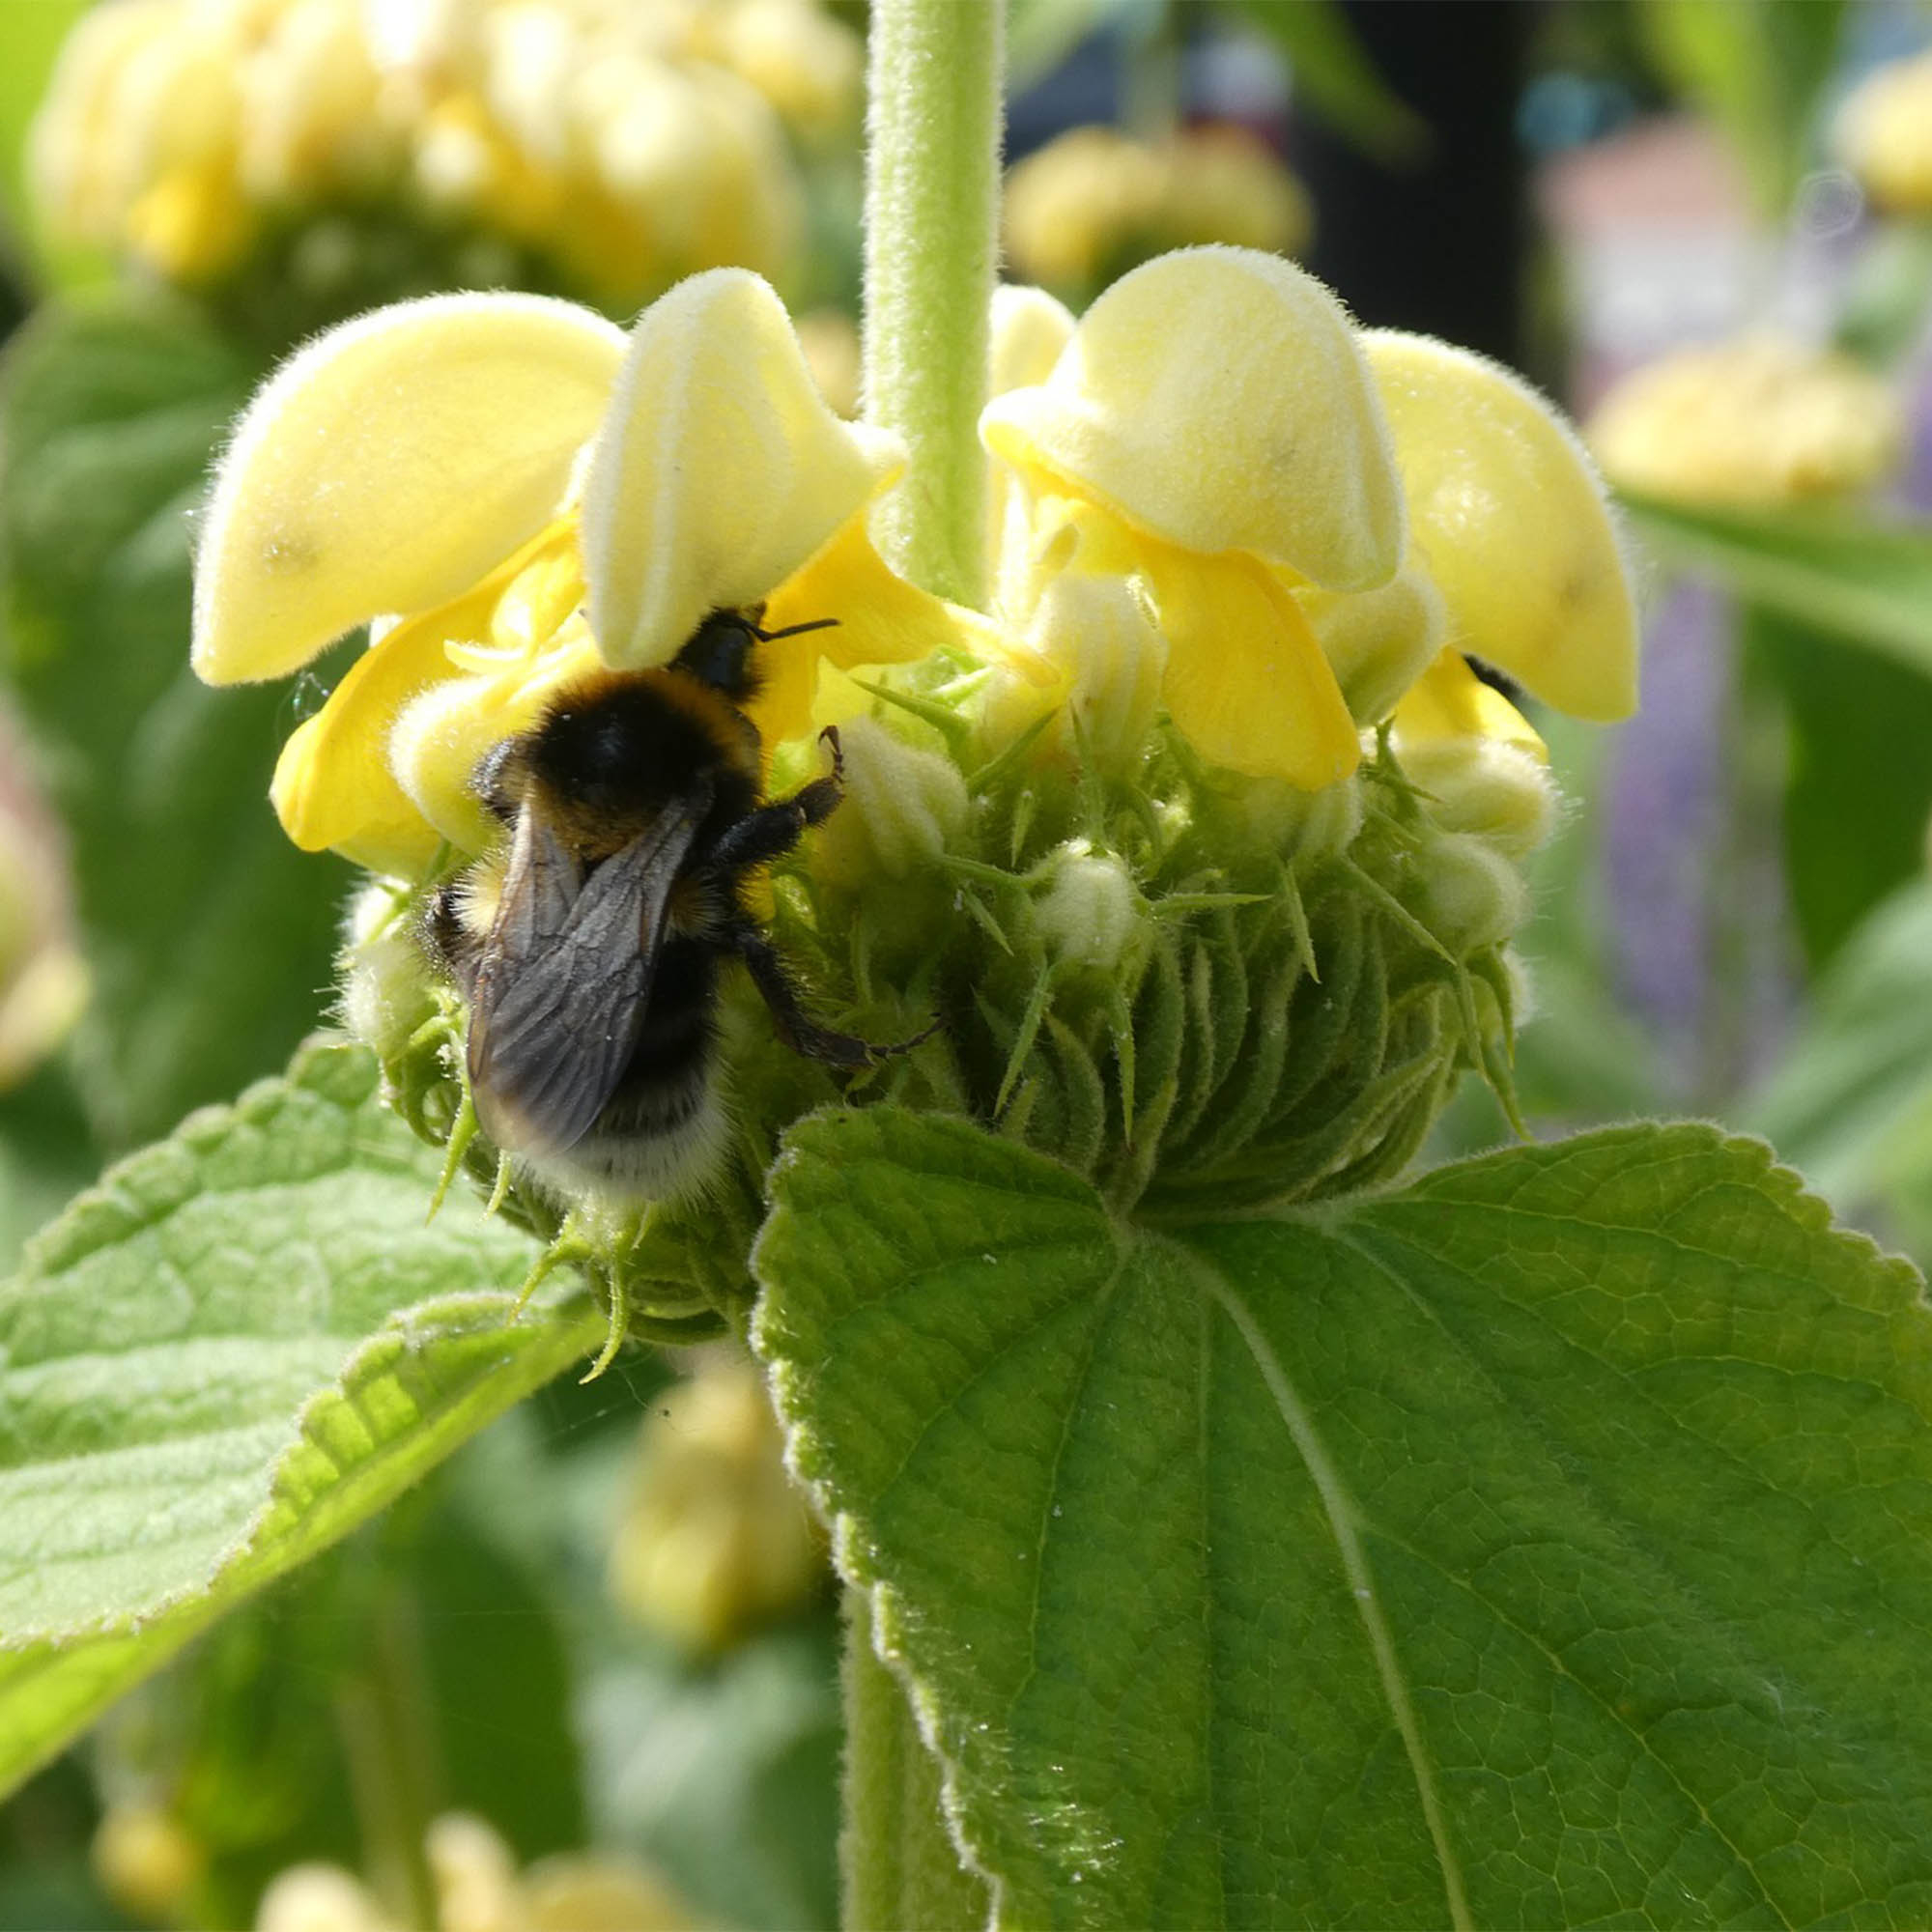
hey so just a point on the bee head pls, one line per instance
(720, 651)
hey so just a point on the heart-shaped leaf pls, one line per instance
(1544, 1544)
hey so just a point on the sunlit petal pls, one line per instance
(332, 788)
(1217, 399)
(387, 466)
(1512, 517)
(1030, 329)
(1449, 700)
(881, 620)
(1377, 643)
(441, 735)
(1269, 708)
(719, 472)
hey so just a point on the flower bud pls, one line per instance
(1097, 628)
(318, 1898)
(599, 1891)
(1473, 896)
(1305, 827)
(715, 1538)
(1496, 791)
(145, 1860)
(387, 990)
(1091, 912)
(902, 806)
(474, 1873)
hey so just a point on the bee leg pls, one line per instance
(771, 831)
(795, 1026)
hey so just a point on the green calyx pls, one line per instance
(1194, 990)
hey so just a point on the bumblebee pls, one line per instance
(590, 950)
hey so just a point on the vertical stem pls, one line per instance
(386, 1728)
(932, 178)
(932, 182)
(896, 1858)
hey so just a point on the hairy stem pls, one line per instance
(932, 178)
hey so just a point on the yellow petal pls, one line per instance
(1030, 330)
(1246, 683)
(1377, 643)
(881, 620)
(1511, 516)
(443, 734)
(390, 465)
(1216, 398)
(1449, 700)
(720, 470)
(332, 787)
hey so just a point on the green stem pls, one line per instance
(386, 1728)
(932, 179)
(932, 184)
(895, 1857)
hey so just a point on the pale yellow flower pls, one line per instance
(1758, 421)
(1094, 202)
(1883, 134)
(539, 497)
(1297, 530)
(622, 146)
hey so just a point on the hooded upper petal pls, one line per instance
(719, 471)
(1216, 398)
(1512, 517)
(388, 467)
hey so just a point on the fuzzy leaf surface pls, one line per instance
(244, 1342)
(1543, 1545)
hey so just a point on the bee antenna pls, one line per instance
(794, 630)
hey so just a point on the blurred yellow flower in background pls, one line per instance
(44, 976)
(1095, 202)
(1883, 134)
(619, 147)
(539, 497)
(1762, 419)
(716, 1539)
(479, 1887)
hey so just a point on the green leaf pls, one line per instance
(1867, 582)
(211, 936)
(34, 37)
(1856, 781)
(1851, 1103)
(1889, 293)
(244, 1342)
(1757, 70)
(1544, 1545)
(1337, 79)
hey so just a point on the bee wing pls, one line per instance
(564, 978)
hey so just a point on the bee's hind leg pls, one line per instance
(796, 1027)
